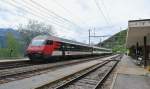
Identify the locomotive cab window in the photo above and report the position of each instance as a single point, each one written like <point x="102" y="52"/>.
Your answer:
<point x="37" y="42"/>
<point x="49" y="42"/>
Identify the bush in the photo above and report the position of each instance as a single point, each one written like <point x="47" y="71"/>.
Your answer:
<point x="4" y="52"/>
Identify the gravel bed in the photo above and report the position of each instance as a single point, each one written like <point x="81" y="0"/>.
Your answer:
<point x="90" y="81"/>
<point x="107" y="84"/>
<point x="87" y="82"/>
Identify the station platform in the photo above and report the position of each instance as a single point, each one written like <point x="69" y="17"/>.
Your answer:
<point x="130" y="76"/>
<point x="46" y="78"/>
<point x="13" y="60"/>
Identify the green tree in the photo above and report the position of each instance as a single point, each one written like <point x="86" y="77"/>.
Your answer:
<point x="13" y="46"/>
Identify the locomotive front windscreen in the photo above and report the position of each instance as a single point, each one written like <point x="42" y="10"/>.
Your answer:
<point x="37" y="42"/>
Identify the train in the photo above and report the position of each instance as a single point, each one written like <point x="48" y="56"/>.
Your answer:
<point x="50" y="48"/>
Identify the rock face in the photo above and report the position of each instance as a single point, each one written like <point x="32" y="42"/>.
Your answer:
<point x="3" y="36"/>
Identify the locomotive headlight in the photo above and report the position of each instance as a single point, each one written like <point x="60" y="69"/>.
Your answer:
<point x="39" y="52"/>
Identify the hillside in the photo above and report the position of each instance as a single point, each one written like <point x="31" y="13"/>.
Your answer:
<point x="116" y="42"/>
<point x="3" y="35"/>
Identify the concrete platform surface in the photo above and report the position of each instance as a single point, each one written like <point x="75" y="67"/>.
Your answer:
<point x="39" y="80"/>
<point x="130" y="76"/>
<point x="124" y="81"/>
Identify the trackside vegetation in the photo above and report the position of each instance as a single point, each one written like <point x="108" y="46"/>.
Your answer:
<point x="12" y="49"/>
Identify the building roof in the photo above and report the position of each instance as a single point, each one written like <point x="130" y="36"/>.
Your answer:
<point x="139" y="20"/>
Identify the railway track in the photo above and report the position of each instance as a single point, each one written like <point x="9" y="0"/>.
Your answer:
<point x="12" y="74"/>
<point x="16" y="64"/>
<point x="90" y="78"/>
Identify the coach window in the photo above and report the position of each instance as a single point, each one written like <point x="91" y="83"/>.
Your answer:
<point x="49" y="42"/>
<point x="67" y="47"/>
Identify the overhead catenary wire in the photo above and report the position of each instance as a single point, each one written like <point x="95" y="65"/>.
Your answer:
<point x="106" y="10"/>
<point x="60" y="5"/>
<point x="101" y="12"/>
<point x="34" y="14"/>
<point x="66" y="9"/>
<point x="108" y="19"/>
<point x="42" y="13"/>
<point x="63" y="20"/>
<point x="108" y="15"/>
<point x="40" y="5"/>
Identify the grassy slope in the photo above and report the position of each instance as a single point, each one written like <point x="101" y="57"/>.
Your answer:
<point x="116" y="42"/>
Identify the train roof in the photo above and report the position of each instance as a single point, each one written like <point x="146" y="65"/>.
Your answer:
<point x="67" y="41"/>
<point x="61" y="40"/>
<point x="101" y="48"/>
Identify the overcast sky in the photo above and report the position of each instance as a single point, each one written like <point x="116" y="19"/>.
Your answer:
<point x="71" y="19"/>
